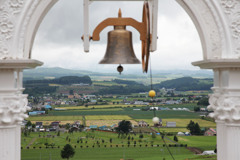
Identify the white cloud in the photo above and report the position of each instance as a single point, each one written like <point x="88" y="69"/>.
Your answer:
<point x="58" y="40"/>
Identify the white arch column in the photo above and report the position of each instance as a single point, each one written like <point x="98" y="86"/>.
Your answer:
<point x="225" y="102"/>
<point x="13" y="105"/>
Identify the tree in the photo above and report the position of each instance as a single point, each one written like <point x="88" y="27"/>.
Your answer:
<point x="194" y="128"/>
<point x="154" y="135"/>
<point x="203" y="101"/>
<point x="124" y="127"/>
<point x="175" y="139"/>
<point x="196" y="109"/>
<point x="197" y="129"/>
<point x="67" y="152"/>
<point x="29" y="123"/>
<point x="141" y="135"/>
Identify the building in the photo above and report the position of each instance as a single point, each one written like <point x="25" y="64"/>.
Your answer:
<point x="76" y="124"/>
<point x="48" y="107"/>
<point x="180" y="134"/>
<point x="39" y="125"/>
<point x="171" y="124"/>
<point x="103" y="127"/>
<point x="143" y="124"/>
<point x="93" y="127"/>
<point x="34" y="113"/>
<point x="210" y="132"/>
<point x="55" y="124"/>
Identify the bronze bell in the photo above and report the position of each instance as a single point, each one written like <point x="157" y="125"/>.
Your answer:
<point x="119" y="47"/>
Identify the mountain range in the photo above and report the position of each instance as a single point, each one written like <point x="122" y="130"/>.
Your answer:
<point x="56" y="72"/>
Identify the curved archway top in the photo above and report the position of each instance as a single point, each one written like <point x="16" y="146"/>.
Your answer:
<point x="217" y="23"/>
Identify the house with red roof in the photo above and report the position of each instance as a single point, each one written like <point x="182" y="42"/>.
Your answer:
<point x="210" y="132"/>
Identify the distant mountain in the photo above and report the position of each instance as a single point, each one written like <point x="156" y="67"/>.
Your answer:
<point x="52" y="73"/>
<point x="57" y="72"/>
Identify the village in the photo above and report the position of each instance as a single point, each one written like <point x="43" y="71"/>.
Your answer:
<point x="43" y="106"/>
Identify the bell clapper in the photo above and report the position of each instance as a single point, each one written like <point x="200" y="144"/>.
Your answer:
<point x="119" y="68"/>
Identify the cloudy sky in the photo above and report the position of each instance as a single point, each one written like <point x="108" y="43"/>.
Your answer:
<point x="58" y="41"/>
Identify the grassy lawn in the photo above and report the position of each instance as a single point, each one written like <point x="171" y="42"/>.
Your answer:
<point x="138" y="153"/>
<point x="87" y="139"/>
<point x="115" y="150"/>
<point x="202" y="142"/>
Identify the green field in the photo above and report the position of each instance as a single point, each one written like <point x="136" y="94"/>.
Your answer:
<point x="90" y="107"/>
<point x="202" y="142"/>
<point x="117" y="149"/>
<point x="138" y="153"/>
<point x="111" y="114"/>
<point x="107" y="83"/>
<point x="130" y="112"/>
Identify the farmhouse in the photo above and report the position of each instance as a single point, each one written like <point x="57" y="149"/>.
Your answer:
<point x="55" y="125"/>
<point x="171" y="124"/>
<point x="141" y="103"/>
<point x="39" y="124"/>
<point x="210" y="132"/>
<point x="173" y="102"/>
<point x="76" y="124"/>
<point x="143" y="124"/>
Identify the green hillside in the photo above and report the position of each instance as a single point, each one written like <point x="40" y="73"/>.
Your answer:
<point x="186" y="84"/>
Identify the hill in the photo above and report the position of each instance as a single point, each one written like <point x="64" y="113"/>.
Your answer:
<point x="43" y="86"/>
<point x="186" y="84"/>
<point x="158" y="75"/>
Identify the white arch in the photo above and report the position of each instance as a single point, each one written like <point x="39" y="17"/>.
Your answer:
<point x="217" y="23"/>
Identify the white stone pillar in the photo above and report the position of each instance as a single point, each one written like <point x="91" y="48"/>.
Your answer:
<point x="225" y="102"/>
<point x="13" y="105"/>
